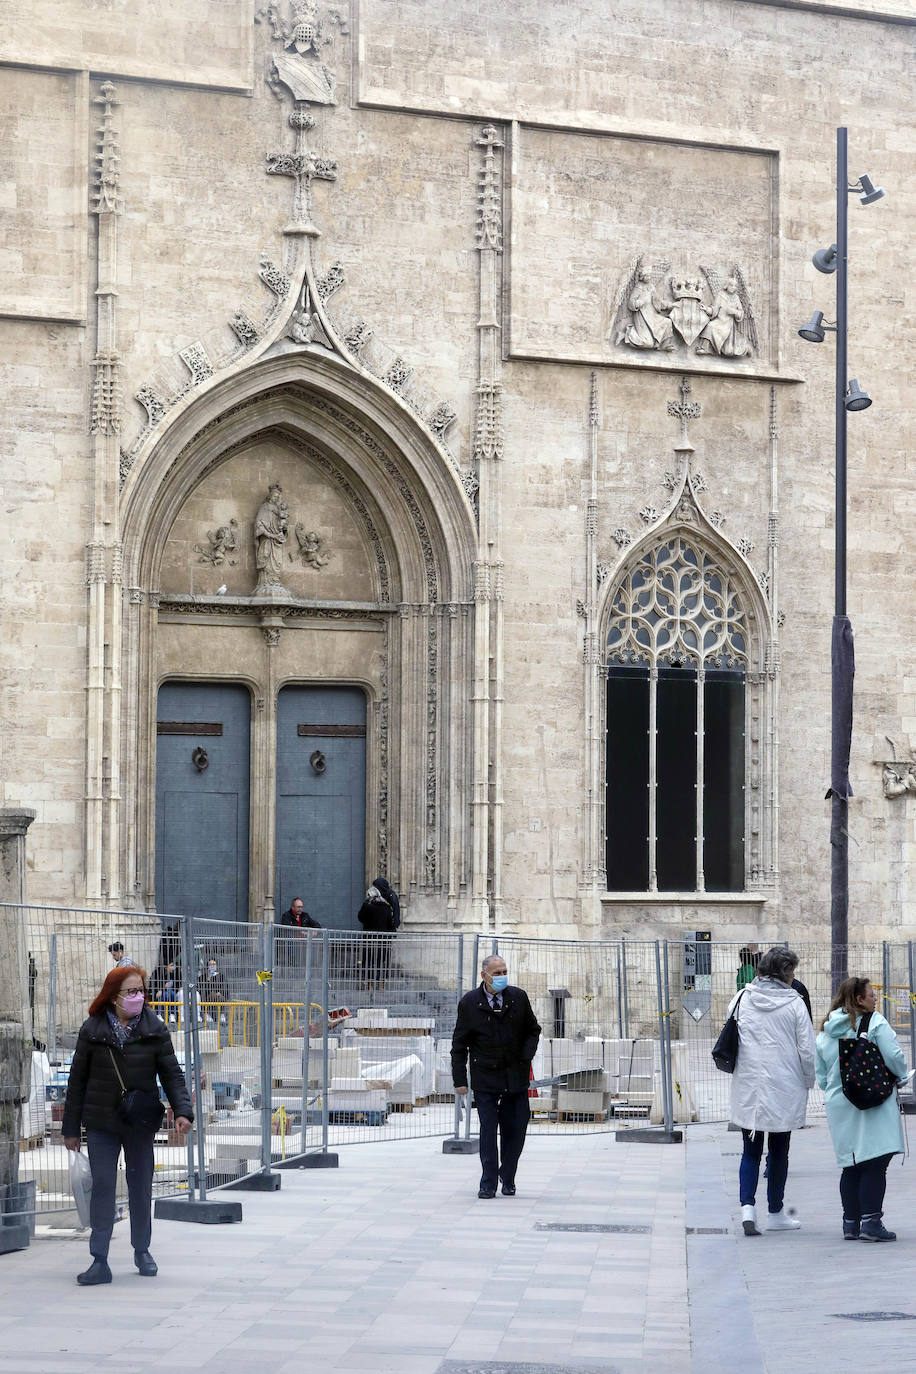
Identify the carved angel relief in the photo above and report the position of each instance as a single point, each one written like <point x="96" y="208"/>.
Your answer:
<point x="222" y="544"/>
<point x="313" y="547"/>
<point x="660" y="310"/>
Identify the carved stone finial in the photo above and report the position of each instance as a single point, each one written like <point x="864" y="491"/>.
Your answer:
<point x="685" y="411"/>
<point x="489" y="193"/>
<point x="593" y="400"/>
<point x="107" y="158"/>
<point x="774" y="429"/>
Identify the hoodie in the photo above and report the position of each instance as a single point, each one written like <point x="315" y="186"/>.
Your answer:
<point x="775" y="1068"/>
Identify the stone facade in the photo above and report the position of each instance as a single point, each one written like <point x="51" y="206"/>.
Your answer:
<point x="440" y="272"/>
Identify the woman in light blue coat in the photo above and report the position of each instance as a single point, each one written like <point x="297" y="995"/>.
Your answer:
<point x="864" y="1141"/>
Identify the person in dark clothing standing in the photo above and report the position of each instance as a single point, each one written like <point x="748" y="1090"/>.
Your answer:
<point x="290" y="942"/>
<point x="391" y="897"/>
<point x="122" y="1046"/>
<point x="298" y="916"/>
<point x="378" y="920"/>
<point x="498" y="1029"/>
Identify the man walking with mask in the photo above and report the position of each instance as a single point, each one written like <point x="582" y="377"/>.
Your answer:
<point x="497" y="1027"/>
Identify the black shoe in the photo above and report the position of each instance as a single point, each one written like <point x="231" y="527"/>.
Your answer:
<point x="850" y="1229"/>
<point x="146" y="1264"/>
<point x="508" y="1190"/>
<point x="487" y="1192"/>
<point x="98" y="1272"/>
<point x="873" y="1228"/>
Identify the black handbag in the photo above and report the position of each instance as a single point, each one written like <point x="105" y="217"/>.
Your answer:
<point x="725" y="1050"/>
<point x="866" y="1079"/>
<point x="139" y="1109"/>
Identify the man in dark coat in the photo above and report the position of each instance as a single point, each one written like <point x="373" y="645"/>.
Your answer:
<point x="298" y="916"/>
<point x="377" y="918"/>
<point x="497" y="1027"/>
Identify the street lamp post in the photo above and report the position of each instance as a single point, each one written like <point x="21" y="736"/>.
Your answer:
<point x="848" y="397"/>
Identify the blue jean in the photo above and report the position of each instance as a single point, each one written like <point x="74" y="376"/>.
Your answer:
<point x="104" y="1148"/>
<point x="749" y="1169"/>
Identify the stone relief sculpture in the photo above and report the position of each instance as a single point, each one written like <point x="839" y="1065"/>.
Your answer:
<point x="642" y="320"/>
<point x="271" y="531"/>
<point x="898" y="776"/>
<point x="731" y="331"/>
<point x="708" y="313"/>
<point x="222" y="544"/>
<point x="313" y="547"/>
<point x="298" y="66"/>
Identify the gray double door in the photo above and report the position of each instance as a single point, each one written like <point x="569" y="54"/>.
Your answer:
<point x="205" y="794"/>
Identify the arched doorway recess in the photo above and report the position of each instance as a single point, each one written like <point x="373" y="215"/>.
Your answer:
<point x="366" y="583"/>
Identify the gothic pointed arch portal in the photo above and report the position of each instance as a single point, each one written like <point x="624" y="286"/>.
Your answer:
<point x="689" y="688"/>
<point x="296" y="528"/>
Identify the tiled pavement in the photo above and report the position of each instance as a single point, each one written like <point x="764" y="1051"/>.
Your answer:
<point x="391" y="1263"/>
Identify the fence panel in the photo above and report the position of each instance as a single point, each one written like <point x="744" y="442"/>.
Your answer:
<point x="888" y="967"/>
<point x="599" y="1065"/>
<point x="68" y="959"/>
<point x="300" y="1041"/>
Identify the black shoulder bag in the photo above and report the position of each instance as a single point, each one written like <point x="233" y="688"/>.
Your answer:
<point x="140" y="1109"/>
<point x="725" y="1050"/>
<point x="866" y="1079"/>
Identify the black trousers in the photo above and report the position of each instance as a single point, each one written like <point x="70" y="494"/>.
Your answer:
<point x="862" y="1188"/>
<point x="104" y="1149"/>
<point x="507" y="1115"/>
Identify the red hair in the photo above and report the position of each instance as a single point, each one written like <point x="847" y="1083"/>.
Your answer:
<point x="112" y="986"/>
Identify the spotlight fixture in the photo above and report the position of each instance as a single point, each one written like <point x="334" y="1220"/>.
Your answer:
<point x="869" y="192"/>
<point x="816" y="328"/>
<point x="825" y="259"/>
<point x="856" y="398"/>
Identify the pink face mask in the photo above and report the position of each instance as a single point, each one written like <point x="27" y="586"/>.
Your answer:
<point x="132" y="1002"/>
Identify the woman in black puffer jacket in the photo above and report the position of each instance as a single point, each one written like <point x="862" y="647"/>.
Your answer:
<point x="121" y="1047"/>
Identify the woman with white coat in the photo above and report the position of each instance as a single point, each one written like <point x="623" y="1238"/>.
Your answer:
<point x="773" y="1075"/>
<point x="864" y="1141"/>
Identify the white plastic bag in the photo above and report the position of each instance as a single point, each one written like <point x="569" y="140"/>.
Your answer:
<point x="81" y="1184"/>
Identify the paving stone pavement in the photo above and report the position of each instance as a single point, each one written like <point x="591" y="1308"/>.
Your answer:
<point x="784" y="1300"/>
<point x="391" y="1265"/>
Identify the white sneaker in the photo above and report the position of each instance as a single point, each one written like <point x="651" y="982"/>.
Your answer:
<point x="749" y="1219"/>
<point x="779" y="1221"/>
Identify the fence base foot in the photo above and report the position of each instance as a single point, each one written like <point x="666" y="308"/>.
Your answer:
<point x="659" y="1136"/>
<point x="257" y="1183"/>
<point x="208" y="1212"/>
<point x="459" y="1147"/>
<point x="13" y="1236"/>
<point x="908" y="1106"/>
<point x="322" y="1161"/>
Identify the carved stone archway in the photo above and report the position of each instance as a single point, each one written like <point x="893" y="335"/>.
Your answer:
<point x="407" y="639"/>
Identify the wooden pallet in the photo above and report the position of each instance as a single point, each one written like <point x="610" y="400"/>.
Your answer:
<point x="400" y="1106"/>
<point x="638" y="1111"/>
<point x="31" y="1142"/>
<point x="580" y="1118"/>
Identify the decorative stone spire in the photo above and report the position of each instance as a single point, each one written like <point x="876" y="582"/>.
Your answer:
<point x="489" y="193"/>
<point x="107" y="158"/>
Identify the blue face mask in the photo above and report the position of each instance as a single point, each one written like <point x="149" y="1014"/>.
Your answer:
<point x="500" y="983"/>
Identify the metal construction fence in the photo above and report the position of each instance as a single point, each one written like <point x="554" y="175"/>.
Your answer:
<point x="296" y="1042"/>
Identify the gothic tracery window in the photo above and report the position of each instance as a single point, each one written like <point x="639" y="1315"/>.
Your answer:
<point x="677" y="655"/>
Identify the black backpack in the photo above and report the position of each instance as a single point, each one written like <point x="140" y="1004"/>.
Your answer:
<point x="866" y="1079"/>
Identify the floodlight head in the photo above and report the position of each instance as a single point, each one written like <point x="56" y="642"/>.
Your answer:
<point x="870" y="192"/>
<point x="825" y="259"/>
<point x="856" y="398"/>
<point x="814" y="331"/>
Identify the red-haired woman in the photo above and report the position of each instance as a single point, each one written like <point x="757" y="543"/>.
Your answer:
<point x="122" y="1046"/>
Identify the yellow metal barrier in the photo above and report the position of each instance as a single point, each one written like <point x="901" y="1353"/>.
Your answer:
<point x="237" y="1023"/>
